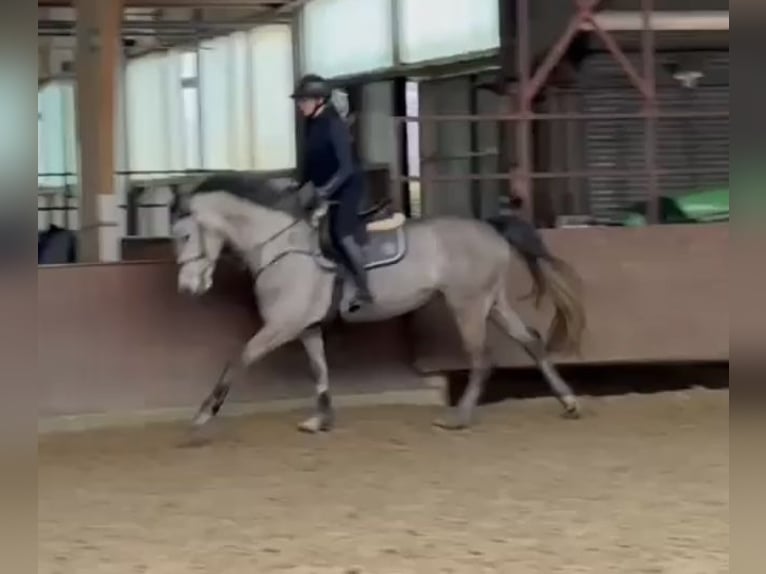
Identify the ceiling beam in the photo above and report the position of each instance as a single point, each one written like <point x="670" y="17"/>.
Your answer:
<point x="173" y="3"/>
<point x="688" y="21"/>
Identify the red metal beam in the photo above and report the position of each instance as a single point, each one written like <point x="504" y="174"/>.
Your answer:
<point x="644" y="83"/>
<point x="650" y="108"/>
<point x="667" y="114"/>
<point x="582" y="174"/>
<point x="529" y="84"/>
<point x="585" y="9"/>
<point x="611" y="44"/>
<point x="520" y="183"/>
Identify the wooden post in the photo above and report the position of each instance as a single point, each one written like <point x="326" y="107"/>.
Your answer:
<point x="98" y="63"/>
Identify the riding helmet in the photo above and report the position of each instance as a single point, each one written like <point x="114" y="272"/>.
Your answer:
<point x="312" y="86"/>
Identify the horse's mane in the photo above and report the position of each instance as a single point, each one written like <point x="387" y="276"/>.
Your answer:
<point x="266" y="189"/>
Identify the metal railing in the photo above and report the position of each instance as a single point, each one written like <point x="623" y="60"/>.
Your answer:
<point x="521" y="96"/>
<point x="66" y="201"/>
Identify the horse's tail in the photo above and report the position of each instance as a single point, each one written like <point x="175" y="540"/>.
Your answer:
<point x="565" y="289"/>
<point x="550" y="276"/>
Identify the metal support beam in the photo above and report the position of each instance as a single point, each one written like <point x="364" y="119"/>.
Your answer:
<point x="585" y="17"/>
<point x="619" y="56"/>
<point x="160" y="27"/>
<point x="518" y="113"/>
<point x="585" y="10"/>
<point x="650" y="108"/>
<point x="687" y="21"/>
<point x="520" y="180"/>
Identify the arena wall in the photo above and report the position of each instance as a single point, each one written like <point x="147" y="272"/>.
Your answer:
<point x="118" y="338"/>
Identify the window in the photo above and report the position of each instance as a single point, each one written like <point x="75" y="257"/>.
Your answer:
<point x="56" y="135"/>
<point x="273" y="112"/>
<point x="342" y="37"/>
<point x="147" y="116"/>
<point x="434" y="29"/>
<point x="223" y="106"/>
<point x="190" y="105"/>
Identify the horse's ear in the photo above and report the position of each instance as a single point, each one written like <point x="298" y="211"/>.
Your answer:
<point x="175" y="202"/>
<point x="179" y="203"/>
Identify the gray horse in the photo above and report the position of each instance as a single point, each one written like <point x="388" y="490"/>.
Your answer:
<point x="299" y="289"/>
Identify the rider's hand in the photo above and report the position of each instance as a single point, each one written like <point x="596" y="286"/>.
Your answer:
<point x="323" y="192"/>
<point x="317" y="214"/>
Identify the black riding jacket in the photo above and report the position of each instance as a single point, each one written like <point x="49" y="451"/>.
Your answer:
<point x="328" y="160"/>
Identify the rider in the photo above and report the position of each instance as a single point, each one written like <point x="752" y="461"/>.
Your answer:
<point x="329" y="165"/>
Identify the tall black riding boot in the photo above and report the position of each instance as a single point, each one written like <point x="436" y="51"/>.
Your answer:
<point x="356" y="262"/>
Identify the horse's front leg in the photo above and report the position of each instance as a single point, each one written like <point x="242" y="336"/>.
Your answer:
<point x="324" y="417"/>
<point x="269" y="338"/>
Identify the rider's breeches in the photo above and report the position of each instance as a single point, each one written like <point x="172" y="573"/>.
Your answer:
<point x="344" y="215"/>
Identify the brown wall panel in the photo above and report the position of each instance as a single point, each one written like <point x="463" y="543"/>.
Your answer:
<point x="120" y="338"/>
<point x="652" y="295"/>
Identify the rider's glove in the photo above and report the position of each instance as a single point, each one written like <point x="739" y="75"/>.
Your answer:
<point x="325" y="191"/>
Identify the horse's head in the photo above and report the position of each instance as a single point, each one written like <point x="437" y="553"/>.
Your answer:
<point x="197" y="247"/>
<point x="247" y="212"/>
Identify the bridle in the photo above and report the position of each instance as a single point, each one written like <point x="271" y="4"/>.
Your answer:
<point x="202" y="252"/>
<point x="203" y="255"/>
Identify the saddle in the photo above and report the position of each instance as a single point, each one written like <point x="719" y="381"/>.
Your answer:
<point x="382" y="238"/>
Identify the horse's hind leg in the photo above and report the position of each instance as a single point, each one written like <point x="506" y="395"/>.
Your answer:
<point x="472" y="323"/>
<point x="514" y="326"/>
<point x="324" y="418"/>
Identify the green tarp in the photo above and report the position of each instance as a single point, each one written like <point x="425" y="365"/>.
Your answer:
<point x="698" y="207"/>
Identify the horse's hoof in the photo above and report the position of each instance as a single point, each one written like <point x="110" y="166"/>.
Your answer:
<point x="571" y="408"/>
<point x="572" y="413"/>
<point x="315" y="424"/>
<point x="201" y="419"/>
<point x="452" y="423"/>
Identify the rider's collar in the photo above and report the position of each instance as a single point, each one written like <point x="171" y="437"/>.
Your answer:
<point x="318" y="111"/>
